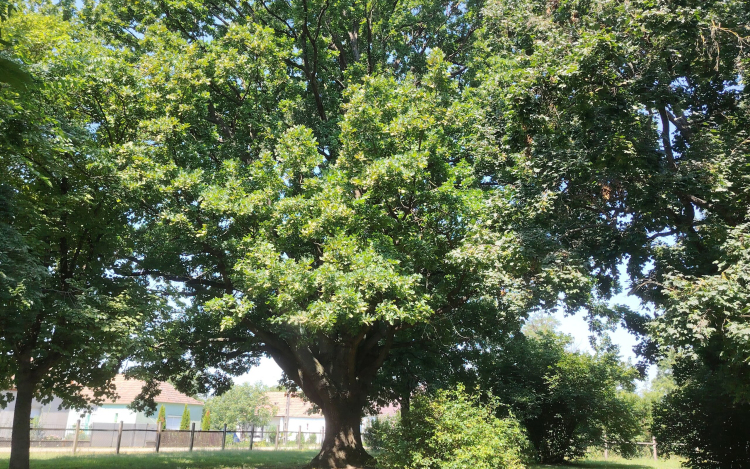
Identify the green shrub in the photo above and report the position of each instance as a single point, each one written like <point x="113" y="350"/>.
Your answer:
<point x="376" y="431"/>
<point x="185" y="421"/>
<point x="452" y="430"/>
<point x="312" y="438"/>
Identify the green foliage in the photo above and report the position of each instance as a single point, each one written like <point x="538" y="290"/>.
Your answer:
<point x="621" y="130"/>
<point x="242" y="406"/>
<point x="185" y="420"/>
<point x="566" y="400"/>
<point x="298" y="183"/>
<point x="161" y="419"/>
<point x="206" y="420"/>
<point x="701" y="419"/>
<point x="271" y="431"/>
<point x="374" y="435"/>
<point x="68" y="323"/>
<point x="452" y="430"/>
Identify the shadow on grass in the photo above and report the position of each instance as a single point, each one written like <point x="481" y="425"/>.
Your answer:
<point x="611" y="465"/>
<point x="617" y="464"/>
<point x="195" y="460"/>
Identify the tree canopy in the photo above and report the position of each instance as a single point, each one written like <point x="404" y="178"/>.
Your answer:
<point x="241" y="407"/>
<point x="368" y="192"/>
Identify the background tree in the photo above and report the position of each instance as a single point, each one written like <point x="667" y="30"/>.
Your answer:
<point x="701" y="420"/>
<point x="626" y="124"/>
<point x="11" y="72"/>
<point x="206" y="421"/>
<point x="65" y="321"/>
<point x="161" y="418"/>
<point x="241" y="407"/>
<point x="567" y="400"/>
<point x="185" y="420"/>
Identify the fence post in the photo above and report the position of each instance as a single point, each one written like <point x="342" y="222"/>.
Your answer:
<point x="119" y="437"/>
<point x="158" y="436"/>
<point x="75" y="437"/>
<point x="224" y="439"/>
<point x="252" y="436"/>
<point x="192" y="435"/>
<point x="653" y="442"/>
<point x="299" y="438"/>
<point x="278" y="428"/>
<point x="606" y="447"/>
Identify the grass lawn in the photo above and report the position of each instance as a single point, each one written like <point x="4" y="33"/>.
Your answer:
<point x="196" y="460"/>
<point x="239" y="459"/>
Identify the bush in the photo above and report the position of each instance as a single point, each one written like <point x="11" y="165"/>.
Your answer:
<point x="271" y="431"/>
<point x="452" y="430"/>
<point x="374" y="434"/>
<point x="312" y="439"/>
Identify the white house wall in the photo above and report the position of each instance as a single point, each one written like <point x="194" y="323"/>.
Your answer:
<point x="50" y="415"/>
<point x="114" y="413"/>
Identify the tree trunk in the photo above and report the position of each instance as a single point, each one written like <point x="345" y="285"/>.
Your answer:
<point x="342" y="445"/>
<point x="21" y="438"/>
<point x="337" y="375"/>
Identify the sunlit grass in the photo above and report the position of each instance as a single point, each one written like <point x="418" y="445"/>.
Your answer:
<point x="243" y="459"/>
<point x="236" y="459"/>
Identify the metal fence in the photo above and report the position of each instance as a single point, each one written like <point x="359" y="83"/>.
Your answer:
<point x="149" y="437"/>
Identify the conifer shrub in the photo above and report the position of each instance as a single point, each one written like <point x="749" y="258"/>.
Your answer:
<point x="185" y="421"/>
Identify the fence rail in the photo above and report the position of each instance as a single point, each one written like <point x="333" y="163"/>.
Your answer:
<point x="651" y="443"/>
<point x="149" y="437"/>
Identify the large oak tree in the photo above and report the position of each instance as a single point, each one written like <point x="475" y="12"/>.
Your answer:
<point x="303" y="181"/>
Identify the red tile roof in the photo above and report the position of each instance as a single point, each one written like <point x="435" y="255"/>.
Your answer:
<point x="297" y="407"/>
<point x="128" y="389"/>
<point x="390" y="410"/>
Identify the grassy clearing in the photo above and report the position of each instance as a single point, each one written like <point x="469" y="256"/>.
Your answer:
<point x="259" y="460"/>
<point x="195" y="460"/>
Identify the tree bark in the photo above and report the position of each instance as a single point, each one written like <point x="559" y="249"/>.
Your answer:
<point x="342" y="444"/>
<point x="21" y="438"/>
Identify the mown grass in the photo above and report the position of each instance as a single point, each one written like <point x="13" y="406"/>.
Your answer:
<point x="196" y="460"/>
<point x="239" y="459"/>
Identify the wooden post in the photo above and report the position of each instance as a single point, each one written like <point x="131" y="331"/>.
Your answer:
<point x="224" y="440"/>
<point x="75" y="437"/>
<point x="158" y="436"/>
<point x="192" y="435"/>
<point x="119" y="437"/>
<point x="606" y="447"/>
<point x="299" y="438"/>
<point x="252" y="436"/>
<point x="653" y="442"/>
<point x="278" y="429"/>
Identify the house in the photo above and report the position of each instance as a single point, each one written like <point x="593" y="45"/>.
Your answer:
<point x="298" y="413"/>
<point x="293" y="413"/>
<point x="116" y="410"/>
<point x="109" y="412"/>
